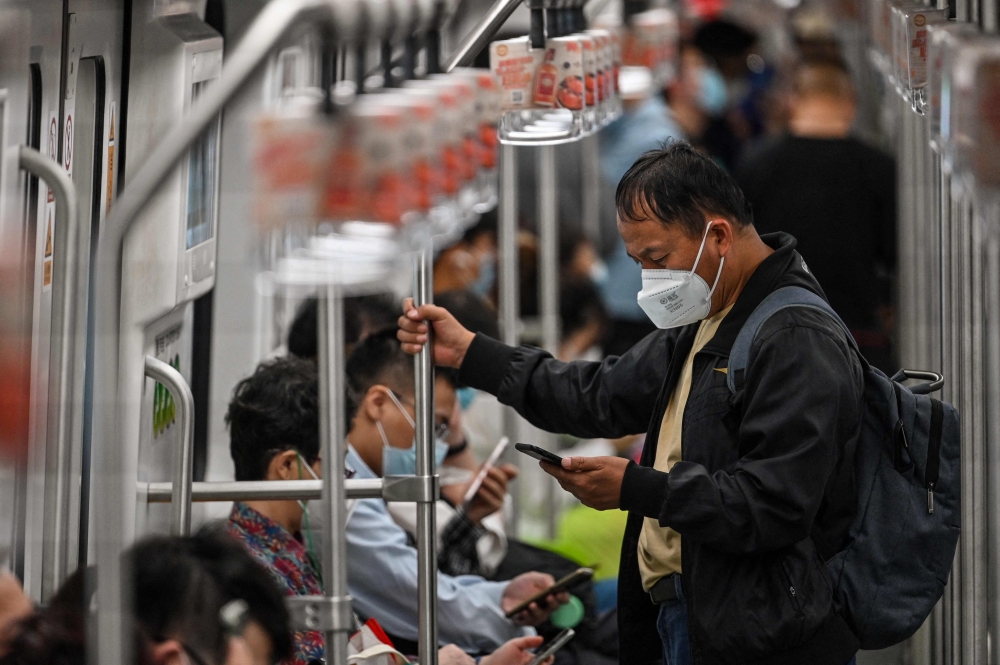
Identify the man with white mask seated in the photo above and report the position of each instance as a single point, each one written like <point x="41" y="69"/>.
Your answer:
<point x="274" y="435"/>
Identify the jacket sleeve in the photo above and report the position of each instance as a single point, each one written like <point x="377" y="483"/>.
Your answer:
<point x="802" y="402"/>
<point x="610" y="399"/>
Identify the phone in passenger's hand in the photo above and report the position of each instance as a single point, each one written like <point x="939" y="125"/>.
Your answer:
<point x="494" y="457"/>
<point x="577" y="576"/>
<point x="539" y="454"/>
<point x="549" y="650"/>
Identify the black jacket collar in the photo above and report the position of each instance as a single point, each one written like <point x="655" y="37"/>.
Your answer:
<point x="784" y="267"/>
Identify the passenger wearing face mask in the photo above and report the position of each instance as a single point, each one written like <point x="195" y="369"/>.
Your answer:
<point x="755" y="489"/>
<point x="274" y="435"/>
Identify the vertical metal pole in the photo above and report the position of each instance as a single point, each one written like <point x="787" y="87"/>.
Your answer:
<point x="946" y="610"/>
<point x="591" y="176"/>
<point x="955" y="311"/>
<point x="423" y="284"/>
<point x="548" y="284"/>
<point x="508" y="293"/>
<point x="968" y="439"/>
<point x="991" y="364"/>
<point x="330" y="335"/>
<point x="979" y="470"/>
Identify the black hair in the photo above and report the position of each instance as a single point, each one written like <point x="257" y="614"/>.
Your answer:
<point x="377" y="359"/>
<point x="678" y="185"/>
<point x="363" y="315"/>
<point x="273" y="410"/>
<point x="380" y="360"/>
<point x="579" y="305"/>
<point x="721" y="39"/>
<point x="471" y="310"/>
<point x="181" y="585"/>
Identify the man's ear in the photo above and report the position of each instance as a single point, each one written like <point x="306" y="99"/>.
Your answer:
<point x="723" y="231"/>
<point x="284" y="466"/>
<point x="374" y="403"/>
<point x="168" y="652"/>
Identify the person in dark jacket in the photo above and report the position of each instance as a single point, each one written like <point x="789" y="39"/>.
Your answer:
<point x="837" y="196"/>
<point x="738" y="499"/>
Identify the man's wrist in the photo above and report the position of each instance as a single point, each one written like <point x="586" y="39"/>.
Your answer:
<point x="484" y="363"/>
<point x="644" y="490"/>
<point x="464" y="348"/>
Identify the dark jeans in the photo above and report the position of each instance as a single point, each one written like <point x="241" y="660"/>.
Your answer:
<point x="672" y="625"/>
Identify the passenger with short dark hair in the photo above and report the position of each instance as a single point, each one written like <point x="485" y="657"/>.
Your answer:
<point x="274" y="435"/>
<point x="200" y="599"/>
<point x="363" y="315"/>
<point x="739" y="499"/>
<point x="837" y="196"/>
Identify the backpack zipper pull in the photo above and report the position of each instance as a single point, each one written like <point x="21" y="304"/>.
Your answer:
<point x="930" y="498"/>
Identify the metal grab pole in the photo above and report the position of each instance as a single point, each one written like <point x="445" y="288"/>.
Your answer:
<point x="62" y="378"/>
<point x="333" y="447"/>
<point x="591" y="180"/>
<point x="172" y="380"/>
<point x="113" y="489"/>
<point x="548" y="285"/>
<point x="507" y="291"/>
<point x="481" y="34"/>
<point x="423" y="365"/>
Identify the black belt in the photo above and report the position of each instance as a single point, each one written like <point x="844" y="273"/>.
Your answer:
<point x="664" y="590"/>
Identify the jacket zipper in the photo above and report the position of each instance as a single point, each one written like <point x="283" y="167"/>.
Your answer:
<point x="791" y="587"/>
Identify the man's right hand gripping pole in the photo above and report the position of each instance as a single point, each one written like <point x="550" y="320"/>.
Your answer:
<point x="451" y="340"/>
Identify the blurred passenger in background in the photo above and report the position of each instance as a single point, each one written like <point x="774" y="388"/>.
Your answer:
<point x="471" y="263"/>
<point x="198" y="600"/>
<point x="363" y="315"/>
<point x="583" y="317"/>
<point x="837" y="196"/>
<point x="731" y="50"/>
<point x="647" y="123"/>
<point x="14" y="606"/>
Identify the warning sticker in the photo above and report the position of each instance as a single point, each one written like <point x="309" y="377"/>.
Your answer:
<point x="111" y="157"/>
<point x="50" y="213"/>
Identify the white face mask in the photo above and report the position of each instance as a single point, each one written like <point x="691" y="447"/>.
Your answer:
<point x="673" y="298"/>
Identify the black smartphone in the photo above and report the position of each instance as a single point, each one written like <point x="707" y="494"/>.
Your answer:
<point x="549" y="650"/>
<point x="577" y="576"/>
<point x="539" y="454"/>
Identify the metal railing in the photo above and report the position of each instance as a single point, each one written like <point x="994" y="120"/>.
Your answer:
<point x="69" y="289"/>
<point x="180" y="509"/>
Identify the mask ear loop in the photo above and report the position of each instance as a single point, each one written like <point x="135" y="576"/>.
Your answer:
<point x="305" y="518"/>
<point x="402" y="410"/>
<point x="722" y="262"/>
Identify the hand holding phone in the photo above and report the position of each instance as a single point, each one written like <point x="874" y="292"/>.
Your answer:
<point x="491" y="461"/>
<point x="546" y="651"/>
<point x="579" y="575"/>
<point x="539" y="454"/>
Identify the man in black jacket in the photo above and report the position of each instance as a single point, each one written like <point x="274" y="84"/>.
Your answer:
<point x="752" y="491"/>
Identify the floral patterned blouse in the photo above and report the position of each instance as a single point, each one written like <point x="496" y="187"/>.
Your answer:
<point x="287" y="559"/>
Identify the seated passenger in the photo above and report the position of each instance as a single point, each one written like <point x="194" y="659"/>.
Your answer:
<point x="274" y="433"/>
<point x="184" y="611"/>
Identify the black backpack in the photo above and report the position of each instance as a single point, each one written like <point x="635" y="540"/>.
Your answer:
<point x="904" y="534"/>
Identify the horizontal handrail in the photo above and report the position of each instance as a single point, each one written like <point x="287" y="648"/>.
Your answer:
<point x="263" y="490"/>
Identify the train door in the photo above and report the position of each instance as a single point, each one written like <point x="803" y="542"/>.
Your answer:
<point x="42" y="129"/>
<point x="92" y="124"/>
<point x="19" y="125"/>
<point x="169" y="257"/>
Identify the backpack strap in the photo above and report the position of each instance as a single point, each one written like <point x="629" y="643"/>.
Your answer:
<point x="783" y="298"/>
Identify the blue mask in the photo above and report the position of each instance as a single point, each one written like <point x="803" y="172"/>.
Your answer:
<point x="483" y="285"/>
<point x="712" y="95"/>
<point x="465" y="397"/>
<point x="403" y="461"/>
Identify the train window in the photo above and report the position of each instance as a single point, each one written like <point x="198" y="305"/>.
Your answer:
<point x="202" y="179"/>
